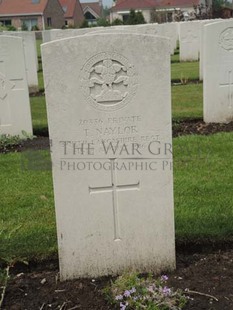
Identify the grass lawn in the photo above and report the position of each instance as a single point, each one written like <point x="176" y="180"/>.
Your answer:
<point x="38" y="44"/>
<point x="187" y="101"/>
<point x="185" y="71"/>
<point x="39" y="115"/>
<point x="203" y="182"/>
<point x="26" y="211"/>
<point x="203" y="168"/>
<point x="175" y="57"/>
<point x="40" y="80"/>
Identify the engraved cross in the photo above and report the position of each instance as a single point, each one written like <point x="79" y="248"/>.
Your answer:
<point x="229" y="85"/>
<point x="114" y="188"/>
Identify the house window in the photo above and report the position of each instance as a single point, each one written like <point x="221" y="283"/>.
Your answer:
<point x="90" y="18"/>
<point x="125" y="17"/>
<point x="64" y="9"/>
<point x="29" y="23"/>
<point x="5" y="22"/>
<point x="49" y="21"/>
<point x="66" y="22"/>
<point x="35" y="1"/>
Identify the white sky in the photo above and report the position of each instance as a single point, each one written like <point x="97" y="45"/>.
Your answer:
<point x="105" y="2"/>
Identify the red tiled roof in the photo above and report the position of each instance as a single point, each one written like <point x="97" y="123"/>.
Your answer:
<point x="68" y="7"/>
<point x="176" y="3"/>
<point x="147" y="4"/>
<point x="92" y="5"/>
<point x="20" y="7"/>
<point x="133" y="4"/>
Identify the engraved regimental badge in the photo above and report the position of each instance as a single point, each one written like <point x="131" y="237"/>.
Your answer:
<point x="226" y="39"/>
<point x="108" y="81"/>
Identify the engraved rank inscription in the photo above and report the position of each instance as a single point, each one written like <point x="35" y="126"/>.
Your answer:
<point x="108" y="81"/>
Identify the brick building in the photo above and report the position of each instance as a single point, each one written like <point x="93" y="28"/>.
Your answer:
<point x="169" y="8"/>
<point x="40" y="13"/>
<point x="92" y="11"/>
<point x="73" y="12"/>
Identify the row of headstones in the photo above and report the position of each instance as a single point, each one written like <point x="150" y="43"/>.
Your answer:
<point x="212" y="40"/>
<point x="108" y="99"/>
<point x="109" y="112"/>
<point x="188" y="34"/>
<point x="170" y="30"/>
<point x="216" y="49"/>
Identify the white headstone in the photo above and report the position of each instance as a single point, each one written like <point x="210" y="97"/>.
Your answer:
<point x="165" y="30"/>
<point x="15" y="115"/>
<point x="30" y="53"/>
<point x="58" y="34"/>
<point x="151" y="29"/>
<point x="170" y="30"/>
<point x="114" y="208"/>
<point x="218" y="72"/>
<point x="189" y="41"/>
<point x="202" y="24"/>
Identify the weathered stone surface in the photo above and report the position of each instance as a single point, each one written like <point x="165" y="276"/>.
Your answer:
<point x="109" y="113"/>
<point x="15" y="115"/>
<point x="218" y="72"/>
<point x="189" y="41"/>
<point x="202" y="24"/>
<point x="58" y="34"/>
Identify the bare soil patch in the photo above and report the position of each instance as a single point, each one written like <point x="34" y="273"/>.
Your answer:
<point x="37" y="286"/>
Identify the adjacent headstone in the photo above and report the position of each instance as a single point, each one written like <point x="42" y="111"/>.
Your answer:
<point x="202" y="24"/>
<point x="218" y="72"/>
<point x="58" y="34"/>
<point x="30" y="53"/>
<point x="189" y="41"/>
<point x="109" y="114"/>
<point x="15" y="115"/>
<point x="151" y="29"/>
<point x="170" y="30"/>
<point x="166" y="30"/>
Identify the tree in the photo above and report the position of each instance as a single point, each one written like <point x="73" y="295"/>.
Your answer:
<point x="103" y="22"/>
<point x="135" y="18"/>
<point x="117" y="22"/>
<point x="218" y="6"/>
<point x="140" y="18"/>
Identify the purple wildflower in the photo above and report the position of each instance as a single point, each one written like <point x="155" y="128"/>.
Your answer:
<point x="127" y="293"/>
<point x="164" y="278"/>
<point x="166" y="291"/>
<point x="133" y="290"/>
<point x="119" y="297"/>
